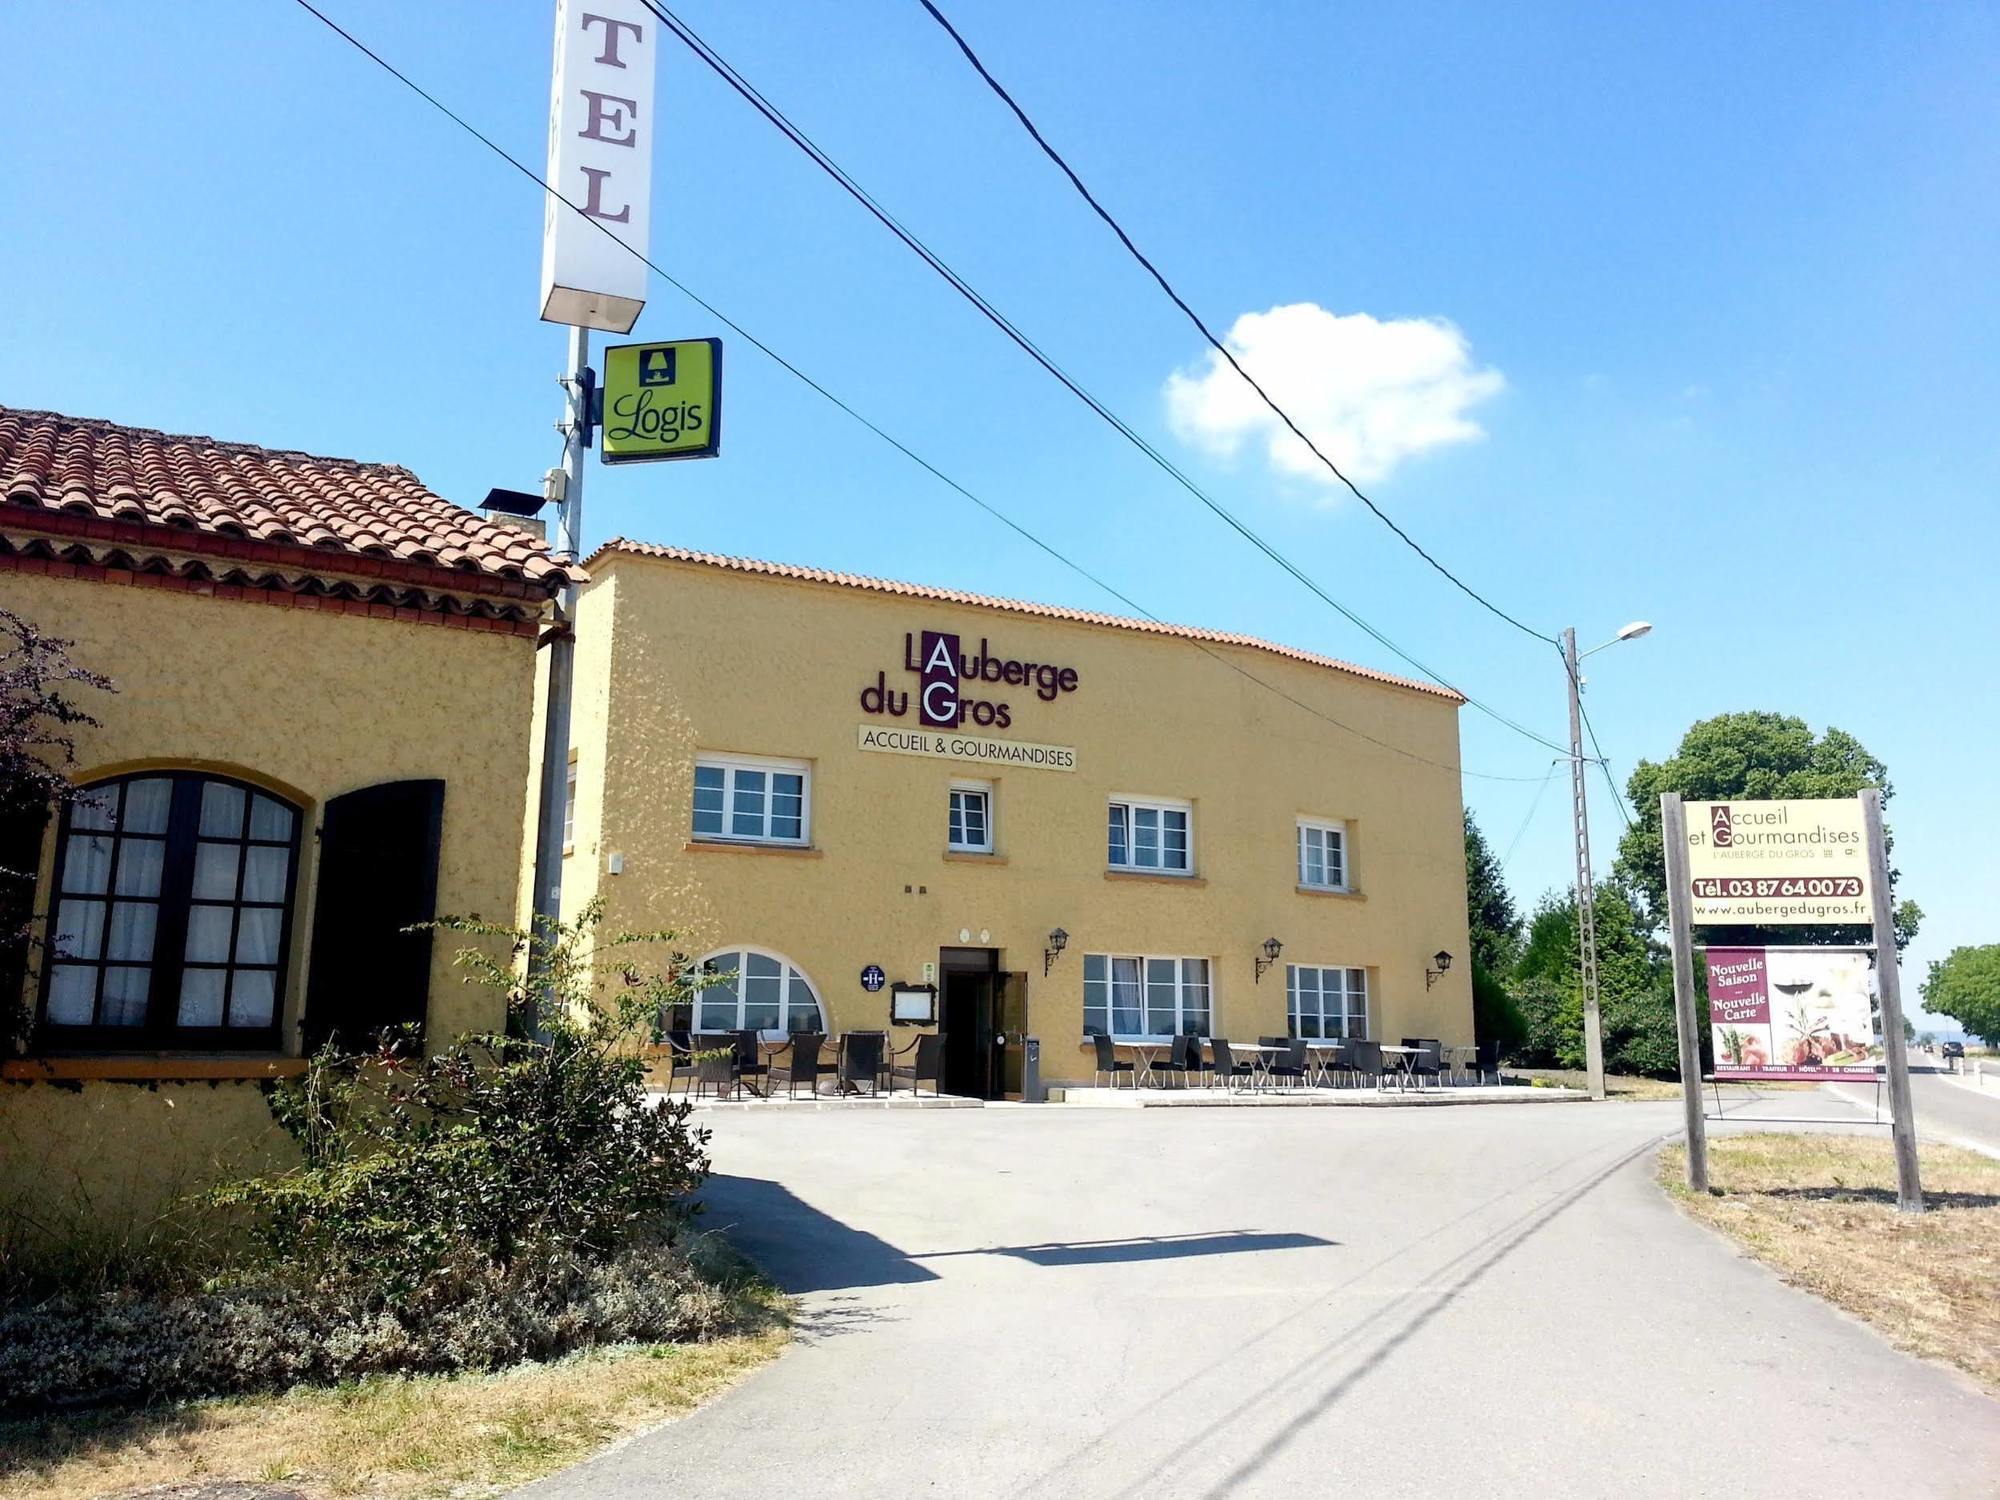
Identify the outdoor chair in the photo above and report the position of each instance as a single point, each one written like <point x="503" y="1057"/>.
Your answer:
<point x="1365" y="1059"/>
<point x="1176" y="1059"/>
<point x="750" y="1064"/>
<point x="1429" y="1061"/>
<point x="1340" y="1062"/>
<point x="1290" y="1066"/>
<point x="1486" y="1062"/>
<point x="680" y="1064"/>
<point x="718" y="1069"/>
<point x="861" y="1062"/>
<point x="928" y="1064"/>
<point x="1194" y="1067"/>
<point x="1226" y="1068"/>
<point x="805" y="1063"/>
<point x="1107" y="1062"/>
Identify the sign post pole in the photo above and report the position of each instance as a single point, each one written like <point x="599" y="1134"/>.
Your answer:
<point x="1680" y="921"/>
<point x="575" y="425"/>
<point x="1888" y="978"/>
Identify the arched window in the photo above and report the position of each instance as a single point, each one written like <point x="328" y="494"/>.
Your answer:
<point x="172" y="914"/>
<point x="748" y="989"/>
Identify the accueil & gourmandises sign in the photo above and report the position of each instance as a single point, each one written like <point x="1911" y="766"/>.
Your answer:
<point x="939" y="702"/>
<point x="1797" y="860"/>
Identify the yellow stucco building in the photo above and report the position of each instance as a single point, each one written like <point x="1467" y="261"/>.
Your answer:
<point x="319" y="733"/>
<point x="825" y="782"/>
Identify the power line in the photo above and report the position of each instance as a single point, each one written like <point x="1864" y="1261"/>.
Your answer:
<point x="1215" y="343"/>
<point x="1547" y="776"/>
<point x="743" y="333"/>
<point x="1604" y="765"/>
<point x="776" y="117"/>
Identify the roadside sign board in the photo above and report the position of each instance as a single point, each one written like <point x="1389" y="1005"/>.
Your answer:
<point x="1793" y="1013"/>
<point x="1776" y="863"/>
<point x="662" y="401"/>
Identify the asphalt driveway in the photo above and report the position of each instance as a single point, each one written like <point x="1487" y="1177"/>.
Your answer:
<point x="1478" y="1301"/>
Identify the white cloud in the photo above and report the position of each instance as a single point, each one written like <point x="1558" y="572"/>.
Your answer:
<point x="1371" y="393"/>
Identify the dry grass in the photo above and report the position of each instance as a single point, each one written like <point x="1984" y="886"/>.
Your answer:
<point x="1633" y="1088"/>
<point x="1821" y="1209"/>
<point x="416" y="1436"/>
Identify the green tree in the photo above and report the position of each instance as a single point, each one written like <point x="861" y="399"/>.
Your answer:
<point x="1635" y="989"/>
<point x="1494" y="928"/>
<point x="1490" y="915"/>
<point x="1965" y="985"/>
<point x="1750" y="756"/>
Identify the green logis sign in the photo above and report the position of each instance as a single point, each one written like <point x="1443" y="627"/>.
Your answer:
<point x="662" y="401"/>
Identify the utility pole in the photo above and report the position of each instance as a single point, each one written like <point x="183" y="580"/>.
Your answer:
<point x="1586" y="902"/>
<point x="1889" y="982"/>
<point x="575" y="428"/>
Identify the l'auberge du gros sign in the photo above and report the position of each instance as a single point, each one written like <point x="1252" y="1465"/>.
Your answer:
<point x="934" y="657"/>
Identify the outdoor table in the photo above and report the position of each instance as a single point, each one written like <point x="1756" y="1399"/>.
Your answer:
<point x="1145" y="1054"/>
<point x="1320" y="1049"/>
<point x="1258" y="1055"/>
<point x="1402" y="1057"/>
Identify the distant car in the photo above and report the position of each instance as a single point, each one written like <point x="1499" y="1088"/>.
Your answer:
<point x="1952" y="1049"/>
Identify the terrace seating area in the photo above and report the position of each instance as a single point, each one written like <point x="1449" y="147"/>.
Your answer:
<point x="801" y="1065"/>
<point x="1278" y="1065"/>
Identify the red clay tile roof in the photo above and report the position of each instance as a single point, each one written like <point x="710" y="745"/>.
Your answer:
<point x="1015" y="606"/>
<point x="203" y="488"/>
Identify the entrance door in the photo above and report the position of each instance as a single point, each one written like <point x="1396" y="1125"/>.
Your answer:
<point x="966" y="1014"/>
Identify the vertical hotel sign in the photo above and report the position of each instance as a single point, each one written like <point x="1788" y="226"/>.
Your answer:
<point x="601" y="162"/>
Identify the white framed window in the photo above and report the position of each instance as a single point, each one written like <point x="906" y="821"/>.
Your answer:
<point x="971" y="817"/>
<point x="1327" y="1002"/>
<point x="1137" y="996"/>
<point x="1149" y="834"/>
<point x="750" y="799"/>
<point x="1322" y="854"/>
<point x="569" y="806"/>
<point x="754" y="989"/>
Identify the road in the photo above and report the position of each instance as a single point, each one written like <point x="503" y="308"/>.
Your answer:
<point x="1947" y="1110"/>
<point x="1209" y="1303"/>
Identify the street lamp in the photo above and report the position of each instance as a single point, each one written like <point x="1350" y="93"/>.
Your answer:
<point x="1586" y="905"/>
<point x="1058" y="940"/>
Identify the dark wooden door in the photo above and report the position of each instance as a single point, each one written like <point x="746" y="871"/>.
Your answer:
<point x="378" y="870"/>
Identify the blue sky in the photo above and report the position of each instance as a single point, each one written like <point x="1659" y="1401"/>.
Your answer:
<point x="1722" y="280"/>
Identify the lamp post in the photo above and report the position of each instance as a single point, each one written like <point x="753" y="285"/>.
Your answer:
<point x="1586" y="904"/>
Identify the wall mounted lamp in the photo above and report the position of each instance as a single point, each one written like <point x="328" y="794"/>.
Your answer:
<point x="1272" y="948"/>
<point x="1058" y="940"/>
<point x="1443" y="961"/>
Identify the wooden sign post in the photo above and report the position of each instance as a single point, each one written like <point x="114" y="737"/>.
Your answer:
<point x="1687" y="1024"/>
<point x="1783" y="896"/>
<point x="1889" y="983"/>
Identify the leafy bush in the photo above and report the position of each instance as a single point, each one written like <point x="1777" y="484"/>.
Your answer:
<point x="1552" y="1021"/>
<point x="1639" y="1034"/>
<point x="520" y="1158"/>
<point x="1495" y="1016"/>
<point x="74" y="1351"/>
<point x="507" y="1198"/>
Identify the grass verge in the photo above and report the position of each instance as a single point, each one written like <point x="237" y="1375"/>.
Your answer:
<point x="1821" y="1210"/>
<point x="395" y="1436"/>
<point x="1633" y="1088"/>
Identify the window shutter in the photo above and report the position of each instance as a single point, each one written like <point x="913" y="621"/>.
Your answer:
<point x="378" y="868"/>
<point x="21" y="828"/>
